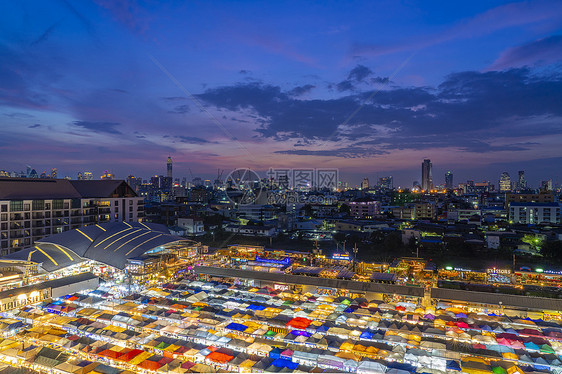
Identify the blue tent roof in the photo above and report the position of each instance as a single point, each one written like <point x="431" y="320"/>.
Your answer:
<point x="236" y="326"/>
<point x="453" y="365"/>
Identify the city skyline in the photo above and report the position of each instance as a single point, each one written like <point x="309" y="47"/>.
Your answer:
<point x="380" y="178"/>
<point x="370" y="89"/>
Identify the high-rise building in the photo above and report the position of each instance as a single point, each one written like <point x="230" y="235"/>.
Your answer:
<point x="107" y="175"/>
<point x="427" y="179"/>
<point x="80" y="176"/>
<point x="365" y="184"/>
<point x="386" y="182"/>
<point x="546" y="185"/>
<point x="31" y="209"/>
<point x="54" y="173"/>
<point x="169" y="168"/>
<point x="505" y="182"/>
<point x="88" y="176"/>
<point x="449" y="180"/>
<point x="522" y="182"/>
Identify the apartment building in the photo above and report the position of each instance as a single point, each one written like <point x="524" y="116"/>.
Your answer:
<point x="534" y="213"/>
<point x="31" y="209"/>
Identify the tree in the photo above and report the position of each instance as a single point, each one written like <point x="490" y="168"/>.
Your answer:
<point x="344" y="208"/>
<point x="552" y="250"/>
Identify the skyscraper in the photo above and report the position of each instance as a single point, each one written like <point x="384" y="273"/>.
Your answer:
<point x="449" y="180"/>
<point x="169" y="168"/>
<point x="365" y="184"/>
<point x="386" y="182"/>
<point x="427" y="179"/>
<point x="522" y="182"/>
<point x="88" y="176"/>
<point x="505" y="182"/>
<point x="54" y="173"/>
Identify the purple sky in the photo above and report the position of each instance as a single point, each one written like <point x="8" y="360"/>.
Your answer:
<point x="369" y="87"/>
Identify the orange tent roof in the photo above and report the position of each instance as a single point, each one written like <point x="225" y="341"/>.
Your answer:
<point x="219" y="357"/>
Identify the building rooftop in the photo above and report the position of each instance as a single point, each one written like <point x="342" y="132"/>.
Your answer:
<point x="535" y="204"/>
<point x="109" y="243"/>
<point x="39" y="189"/>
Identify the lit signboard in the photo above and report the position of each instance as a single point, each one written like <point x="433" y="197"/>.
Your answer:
<point x="498" y="271"/>
<point x="340" y="256"/>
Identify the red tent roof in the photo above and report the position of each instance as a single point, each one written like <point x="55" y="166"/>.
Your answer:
<point x="299" y="323"/>
<point x="109" y="353"/>
<point x="130" y="355"/>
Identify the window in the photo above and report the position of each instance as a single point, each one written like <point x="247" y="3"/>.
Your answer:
<point x="4" y="217"/>
<point x="116" y="202"/>
<point x="38" y="204"/>
<point x="16" y="205"/>
<point x="58" y="204"/>
<point x="4" y="208"/>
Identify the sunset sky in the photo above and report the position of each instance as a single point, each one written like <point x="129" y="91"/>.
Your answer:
<point x="368" y="87"/>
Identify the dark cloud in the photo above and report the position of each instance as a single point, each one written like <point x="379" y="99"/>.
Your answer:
<point x="244" y="72"/>
<point x="34" y="126"/>
<point x="345" y="86"/>
<point x="190" y="139"/>
<point x="99" y="127"/>
<point x="359" y="73"/>
<point x="538" y="52"/>
<point x="180" y="109"/>
<point x="301" y="90"/>
<point x="468" y="110"/>
<point x="174" y="98"/>
<point x="347" y="152"/>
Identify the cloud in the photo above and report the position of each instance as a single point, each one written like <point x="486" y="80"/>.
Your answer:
<point x="468" y="111"/>
<point x="34" y="126"/>
<point x="180" y="109"/>
<point x="346" y="152"/>
<point x="190" y="139"/>
<point x="99" y="127"/>
<point x="539" y="52"/>
<point x="345" y="86"/>
<point x="301" y="90"/>
<point x="359" y="73"/>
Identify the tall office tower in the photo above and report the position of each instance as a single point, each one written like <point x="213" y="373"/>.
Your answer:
<point x="88" y="176"/>
<point x="546" y="185"/>
<point x="365" y="184"/>
<point x="80" y="176"/>
<point x="505" y="182"/>
<point x="54" y="173"/>
<point x="169" y="168"/>
<point x="386" y="182"/>
<point x="522" y="182"/>
<point x="449" y="180"/>
<point x="427" y="180"/>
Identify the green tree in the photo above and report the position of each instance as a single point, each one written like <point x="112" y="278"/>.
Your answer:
<point x="552" y="250"/>
<point x="344" y="208"/>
